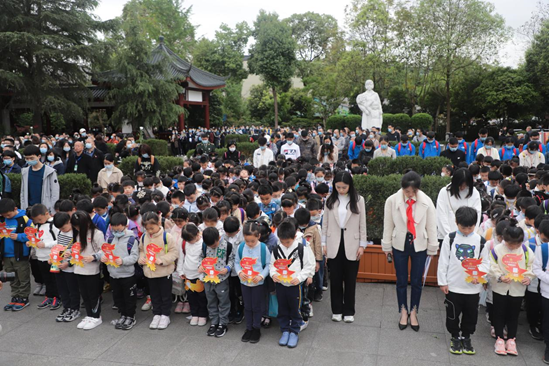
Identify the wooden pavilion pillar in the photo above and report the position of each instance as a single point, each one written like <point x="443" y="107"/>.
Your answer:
<point x="207" y="111"/>
<point x="182" y="115"/>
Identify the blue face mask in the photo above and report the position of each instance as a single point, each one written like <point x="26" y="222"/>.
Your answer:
<point x="417" y="133"/>
<point x="276" y="200"/>
<point x="43" y="150"/>
<point x="389" y="130"/>
<point x="67" y="148"/>
<point x="32" y="162"/>
<point x="7" y="162"/>
<point x="118" y="234"/>
<point x="109" y="166"/>
<point x="146" y="156"/>
<point x="51" y="158"/>
<point x="483" y="139"/>
<point x="453" y="149"/>
<point x="368" y="149"/>
<point x="263" y="147"/>
<point x="383" y="147"/>
<point x="88" y="145"/>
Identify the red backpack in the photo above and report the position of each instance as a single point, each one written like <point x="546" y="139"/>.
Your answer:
<point x="425" y="145"/>
<point x="409" y="147"/>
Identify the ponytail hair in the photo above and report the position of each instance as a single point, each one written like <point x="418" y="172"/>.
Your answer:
<point x="513" y="233"/>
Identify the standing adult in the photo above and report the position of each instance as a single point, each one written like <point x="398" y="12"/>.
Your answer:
<point x="307" y="146"/>
<point x="39" y="182"/>
<point x="409" y="234"/>
<point x="79" y="162"/>
<point x="344" y="224"/>
<point x="96" y="158"/>
<point x="262" y="155"/>
<point x="328" y="153"/>
<point x="146" y="161"/>
<point x="460" y="192"/>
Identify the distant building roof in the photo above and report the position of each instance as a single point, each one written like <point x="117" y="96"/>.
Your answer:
<point x="178" y="69"/>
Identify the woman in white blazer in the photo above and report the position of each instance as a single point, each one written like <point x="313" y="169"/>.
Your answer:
<point x="344" y="236"/>
<point x="409" y="234"/>
<point x="460" y="192"/>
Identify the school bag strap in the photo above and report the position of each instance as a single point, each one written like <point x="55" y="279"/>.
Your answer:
<point x="300" y="249"/>
<point x="263" y="252"/>
<point x="164" y="238"/>
<point x="452" y="237"/>
<point x="544" y="255"/>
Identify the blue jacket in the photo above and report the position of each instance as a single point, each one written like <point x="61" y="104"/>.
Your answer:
<point x="463" y="147"/>
<point x="473" y="149"/>
<point x="506" y="153"/>
<point x="429" y="149"/>
<point x="353" y="153"/>
<point x="405" y="149"/>
<point x="16" y="248"/>
<point x="269" y="209"/>
<point x="100" y="223"/>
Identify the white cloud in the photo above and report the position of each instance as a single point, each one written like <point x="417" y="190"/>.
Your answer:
<point x="209" y="14"/>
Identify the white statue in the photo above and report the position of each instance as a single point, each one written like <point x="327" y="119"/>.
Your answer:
<point x="370" y="105"/>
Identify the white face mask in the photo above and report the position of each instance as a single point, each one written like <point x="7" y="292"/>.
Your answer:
<point x="232" y="149"/>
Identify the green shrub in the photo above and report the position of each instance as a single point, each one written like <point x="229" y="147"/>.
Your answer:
<point x="352" y="121"/>
<point x="111" y="148"/>
<point x="388" y="119"/>
<point x="401" y="120"/>
<point x="422" y="121"/>
<point x="167" y="163"/>
<point x="237" y="137"/>
<point x="67" y="182"/>
<point x="127" y="165"/>
<point x="299" y="122"/>
<point x="388" y="166"/>
<point x="376" y="190"/>
<point x="158" y="147"/>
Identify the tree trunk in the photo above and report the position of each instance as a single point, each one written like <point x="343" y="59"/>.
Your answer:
<point x="435" y="127"/>
<point x="276" y="107"/>
<point x="448" y="106"/>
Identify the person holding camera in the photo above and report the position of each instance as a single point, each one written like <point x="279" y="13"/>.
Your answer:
<point x="412" y="209"/>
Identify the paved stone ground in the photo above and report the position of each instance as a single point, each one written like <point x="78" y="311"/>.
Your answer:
<point x="32" y="337"/>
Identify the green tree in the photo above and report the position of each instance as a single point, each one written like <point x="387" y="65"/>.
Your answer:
<point x="505" y="93"/>
<point x="233" y="104"/>
<point x="462" y="32"/>
<point x="273" y="55"/>
<point x="47" y="48"/>
<point x="167" y="18"/>
<point x="314" y="34"/>
<point x="537" y="66"/>
<point x="143" y="91"/>
<point x="326" y="89"/>
<point x="224" y="54"/>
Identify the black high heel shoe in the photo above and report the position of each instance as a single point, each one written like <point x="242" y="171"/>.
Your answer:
<point x="402" y="326"/>
<point x="415" y="328"/>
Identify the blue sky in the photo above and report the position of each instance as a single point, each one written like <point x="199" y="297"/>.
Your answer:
<point x="209" y="14"/>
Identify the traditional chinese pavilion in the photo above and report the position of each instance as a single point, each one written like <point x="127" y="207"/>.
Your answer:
<point x="197" y="84"/>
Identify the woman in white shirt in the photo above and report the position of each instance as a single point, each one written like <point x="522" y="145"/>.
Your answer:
<point x="460" y="192"/>
<point x="384" y="151"/>
<point x="489" y="149"/>
<point x="109" y="174"/>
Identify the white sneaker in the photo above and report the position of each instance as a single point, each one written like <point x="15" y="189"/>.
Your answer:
<point x="93" y="323"/>
<point x="303" y="326"/>
<point x="147" y="305"/>
<point x="349" y="319"/>
<point x="194" y="320"/>
<point x="164" y="322"/>
<point x="155" y="322"/>
<point x="311" y="310"/>
<point x="337" y="317"/>
<point x="202" y="322"/>
<point x="83" y="323"/>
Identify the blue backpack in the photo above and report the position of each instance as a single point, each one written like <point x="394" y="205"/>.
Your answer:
<point x="544" y="255"/>
<point x="264" y="251"/>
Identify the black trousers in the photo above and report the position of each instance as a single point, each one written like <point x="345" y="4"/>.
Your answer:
<point x="545" y="320"/>
<point x="67" y="285"/>
<point x="48" y="279"/>
<point x="90" y="288"/>
<point x="124" y="295"/>
<point x="506" y="311"/>
<point x="467" y="307"/>
<point x="36" y="271"/>
<point x="198" y="302"/>
<point x="289" y="301"/>
<point x="254" y="305"/>
<point x="161" y="295"/>
<point x="235" y="292"/>
<point x="533" y="308"/>
<point x="343" y="274"/>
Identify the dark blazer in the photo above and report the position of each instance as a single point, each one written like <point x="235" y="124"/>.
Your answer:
<point x="82" y="162"/>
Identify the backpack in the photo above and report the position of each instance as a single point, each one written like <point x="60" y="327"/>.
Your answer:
<point x="452" y="236"/>
<point x="131" y="242"/>
<point x="354" y="145"/>
<point x="424" y="145"/>
<point x="263" y="252"/>
<point x="400" y="146"/>
<point x="278" y="253"/>
<point x="51" y="229"/>
<point x="524" y="249"/>
<point x="163" y="237"/>
<point x="227" y="252"/>
<point x="544" y="255"/>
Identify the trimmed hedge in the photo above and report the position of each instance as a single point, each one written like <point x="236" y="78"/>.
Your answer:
<point x="167" y="163"/>
<point x="352" y="121"/>
<point x="246" y="148"/>
<point x="401" y="120"/>
<point x="67" y="182"/>
<point x="422" y="121"/>
<point x="388" y="119"/>
<point x="377" y="189"/>
<point x="388" y="166"/>
<point x="158" y="147"/>
<point x="237" y="138"/>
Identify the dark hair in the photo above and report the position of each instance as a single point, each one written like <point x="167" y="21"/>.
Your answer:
<point x="513" y="233"/>
<point x="411" y="179"/>
<point x="264" y="189"/>
<point x="189" y="232"/>
<point x="278" y="217"/>
<point x="460" y="177"/>
<point x="303" y="216"/>
<point x="466" y="216"/>
<point x="150" y="218"/>
<point x="119" y="219"/>
<point x="344" y="177"/>
<point x="231" y="224"/>
<point x="251" y="228"/>
<point x="84" y="205"/>
<point x="180" y="213"/>
<point x="7" y="205"/>
<point x="100" y="202"/>
<point x="210" y="214"/>
<point x="31" y="150"/>
<point x="286" y="230"/>
<point x="189" y="189"/>
<point x="210" y="235"/>
<point x="252" y="210"/>
<point x="544" y="228"/>
<point x="38" y="210"/>
<point x="60" y="219"/>
<point x="82" y="223"/>
<point x="532" y="212"/>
